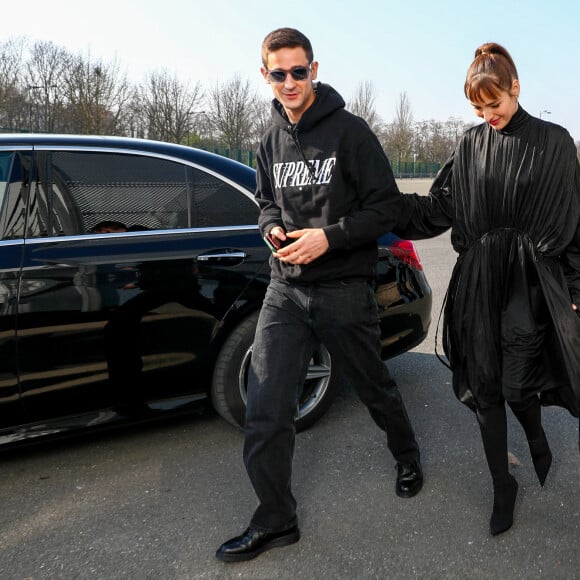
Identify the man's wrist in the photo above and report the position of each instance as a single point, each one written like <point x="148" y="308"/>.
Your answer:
<point x="335" y="237"/>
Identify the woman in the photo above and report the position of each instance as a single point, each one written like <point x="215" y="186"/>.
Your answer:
<point x="511" y="195"/>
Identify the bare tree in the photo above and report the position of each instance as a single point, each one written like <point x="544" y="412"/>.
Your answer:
<point x="171" y="109"/>
<point x="134" y="122"/>
<point x="13" y="107"/>
<point x="398" y="136"/>
<point x="431" y="142"/>
<point x="434" y="141"/>
<point x="403" y="127"/>
<point x="455" y="127"/>
<point x="262" y="118"/>
<point x="421" y="139"/>
<point x="231" y="112"/>
<point x="47" y="88"/>
<point x="97" y="95"/>
<point x="363" y="105"/>
<point x="44" y="78"/>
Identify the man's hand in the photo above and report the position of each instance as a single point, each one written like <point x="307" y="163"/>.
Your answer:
<point x="309" y="245"/>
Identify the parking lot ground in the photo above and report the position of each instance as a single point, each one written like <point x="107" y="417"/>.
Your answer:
<point x="155" y="502"/>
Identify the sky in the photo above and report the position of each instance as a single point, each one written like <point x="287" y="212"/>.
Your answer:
<point x="419" y="47"/>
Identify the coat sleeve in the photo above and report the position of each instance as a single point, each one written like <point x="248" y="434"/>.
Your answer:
<point x="431" y="215"/>
<point x="379" y="201"/>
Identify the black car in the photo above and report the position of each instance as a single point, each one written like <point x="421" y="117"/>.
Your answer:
<point x="132" y="273"/>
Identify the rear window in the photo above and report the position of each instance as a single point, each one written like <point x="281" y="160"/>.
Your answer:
<point x="77" y="192"/>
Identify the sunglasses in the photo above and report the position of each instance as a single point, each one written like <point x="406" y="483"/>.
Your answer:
<point x="298" y="73"/>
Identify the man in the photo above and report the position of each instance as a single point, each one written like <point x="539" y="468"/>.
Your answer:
<point x="326" y="193"/>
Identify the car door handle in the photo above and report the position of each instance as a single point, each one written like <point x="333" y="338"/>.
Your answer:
<point x="222" y="258"/>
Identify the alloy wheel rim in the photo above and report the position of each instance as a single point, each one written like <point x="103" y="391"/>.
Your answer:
<point x="315" y="386"/>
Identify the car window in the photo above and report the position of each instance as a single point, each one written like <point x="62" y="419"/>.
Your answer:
<point x="77" y="190"/>
<point x="14" y="181"/>
<point x="217" y="203"/>
<point x="5" y="164"/>
<point x="83" y="192"/>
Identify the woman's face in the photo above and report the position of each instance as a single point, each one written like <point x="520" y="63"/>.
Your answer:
<point x="497" y="110"/>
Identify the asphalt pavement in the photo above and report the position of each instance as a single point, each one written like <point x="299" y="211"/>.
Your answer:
<point x="155" y="502"/>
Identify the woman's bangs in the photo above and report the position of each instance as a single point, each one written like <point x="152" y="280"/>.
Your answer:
<point x="482" y="88"/>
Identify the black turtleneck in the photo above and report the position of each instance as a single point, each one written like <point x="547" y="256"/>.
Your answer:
<point x="516" y="122"/>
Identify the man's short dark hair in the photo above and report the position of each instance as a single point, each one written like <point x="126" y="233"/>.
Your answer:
<point x="108" y="226"/>
<point x="286" y="38"/>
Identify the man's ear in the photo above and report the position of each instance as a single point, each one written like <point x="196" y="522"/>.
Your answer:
<point x="264" y="74"/>
<point x="314" y="69"/>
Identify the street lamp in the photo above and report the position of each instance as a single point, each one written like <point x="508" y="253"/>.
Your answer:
<point x="544" y="111"/>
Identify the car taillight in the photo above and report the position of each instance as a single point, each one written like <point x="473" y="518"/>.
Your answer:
<point x="406" y="252"/>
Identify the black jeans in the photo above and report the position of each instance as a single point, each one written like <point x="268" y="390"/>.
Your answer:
<point x="293" y="321"/>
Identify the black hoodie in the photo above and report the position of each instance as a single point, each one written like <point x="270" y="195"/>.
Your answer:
<point x="328" y="171"/>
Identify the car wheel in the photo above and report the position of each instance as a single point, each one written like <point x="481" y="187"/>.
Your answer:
<point x="230" y="379"/>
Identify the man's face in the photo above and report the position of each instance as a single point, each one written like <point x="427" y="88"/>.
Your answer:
<point x="294" y="95"/>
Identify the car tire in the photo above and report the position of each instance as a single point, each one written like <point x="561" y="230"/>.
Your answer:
<point x="229" y="384"/>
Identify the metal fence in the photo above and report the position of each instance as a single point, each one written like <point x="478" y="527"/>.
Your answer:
<point x="402" y="169"/>
<point x="415" y="169"/>
<point x="247" y="157"/>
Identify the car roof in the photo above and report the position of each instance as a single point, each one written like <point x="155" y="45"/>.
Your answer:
<point x="230" y="168"/>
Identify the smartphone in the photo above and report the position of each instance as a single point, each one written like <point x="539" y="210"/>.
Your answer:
<point x="273" y="242"/>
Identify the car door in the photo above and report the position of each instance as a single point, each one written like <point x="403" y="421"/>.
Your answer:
<point x="120" y="295"/>
<point x="14" y="178"/>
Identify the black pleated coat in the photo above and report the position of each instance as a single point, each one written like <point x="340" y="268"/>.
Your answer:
<point x="512" y="200"/>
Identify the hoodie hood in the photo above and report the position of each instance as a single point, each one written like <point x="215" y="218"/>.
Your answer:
<point x="326" y="102"/>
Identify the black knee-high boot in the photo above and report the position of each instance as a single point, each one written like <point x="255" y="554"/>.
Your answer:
<point x="493" y="427"/>
<point x="529" y="414"/>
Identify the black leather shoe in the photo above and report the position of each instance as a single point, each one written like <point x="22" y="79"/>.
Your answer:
<point x="253" y="542"/>
<point x="409" y="479"/>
